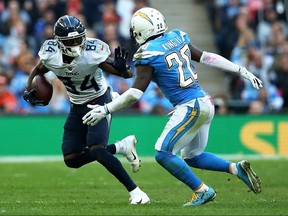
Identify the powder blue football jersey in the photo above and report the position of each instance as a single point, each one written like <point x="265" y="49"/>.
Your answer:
<point x="174" y="71"/>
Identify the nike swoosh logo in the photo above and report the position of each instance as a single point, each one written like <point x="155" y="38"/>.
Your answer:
<point x="134" y="157"/>
<point x="139" y="202"/>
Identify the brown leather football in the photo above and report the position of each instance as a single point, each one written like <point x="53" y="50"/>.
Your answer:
<point x="43" y="87"/>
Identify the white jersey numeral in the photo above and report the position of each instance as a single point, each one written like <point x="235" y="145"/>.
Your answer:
<point x="183" y="61"/>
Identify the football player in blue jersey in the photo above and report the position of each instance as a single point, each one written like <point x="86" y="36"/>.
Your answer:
<point x="167" y="59"/>
<point x="79" y="62"/>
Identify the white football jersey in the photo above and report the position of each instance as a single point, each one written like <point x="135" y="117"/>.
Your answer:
<point x="83" y="79"/>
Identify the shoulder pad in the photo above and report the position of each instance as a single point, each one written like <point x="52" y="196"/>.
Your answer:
<point x="48" y="48"/>
<point x="147" y="51"/>
<point x="182" y="34"/>
<point x="97" y="50"/>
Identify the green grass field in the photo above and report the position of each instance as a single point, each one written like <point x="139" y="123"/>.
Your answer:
<point x="52" y="189"/>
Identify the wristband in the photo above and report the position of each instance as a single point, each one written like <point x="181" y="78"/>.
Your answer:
<point x="107" y="111"/>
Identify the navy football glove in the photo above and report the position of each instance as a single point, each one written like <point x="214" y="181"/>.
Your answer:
<point x="29" y="96"/>
<point x="120" y="60"/>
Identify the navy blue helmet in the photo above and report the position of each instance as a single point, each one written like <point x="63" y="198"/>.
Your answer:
<point x="70" y="35"/>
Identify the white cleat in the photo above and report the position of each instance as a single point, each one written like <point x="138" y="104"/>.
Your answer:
<point x="139" y="199"/>
<point x="130" y="153"/>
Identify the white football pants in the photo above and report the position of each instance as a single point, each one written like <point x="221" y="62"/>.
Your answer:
<point x="188" y="128"/>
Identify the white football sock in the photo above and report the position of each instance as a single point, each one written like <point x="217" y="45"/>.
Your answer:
<point x="202" y="188"/>
<point x="121" y="147"/>
<point x="135" y="191"/>
<point x="233" y="169"/>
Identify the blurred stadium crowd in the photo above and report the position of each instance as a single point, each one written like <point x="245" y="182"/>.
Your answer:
<point x="252" y="33"/>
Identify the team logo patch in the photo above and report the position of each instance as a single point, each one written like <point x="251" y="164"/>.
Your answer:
<point x="143" y="15"/>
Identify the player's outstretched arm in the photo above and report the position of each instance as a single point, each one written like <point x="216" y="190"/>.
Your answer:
<point x="217" y="61"/>
<point x="132" y="95"/>
<point x="99" y="112"/>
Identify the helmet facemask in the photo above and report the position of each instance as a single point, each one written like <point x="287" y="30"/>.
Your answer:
<point x="133" y="36"/>
<point x="73" y="45"/>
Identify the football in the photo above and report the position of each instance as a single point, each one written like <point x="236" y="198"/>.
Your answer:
<point x="43" y="87"/>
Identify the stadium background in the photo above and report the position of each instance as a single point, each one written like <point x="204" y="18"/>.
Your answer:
<point x="246" y="123"/>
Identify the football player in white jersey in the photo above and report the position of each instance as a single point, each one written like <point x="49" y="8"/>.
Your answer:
<point x="167" y="59"/>
<point x="79" y="63"/>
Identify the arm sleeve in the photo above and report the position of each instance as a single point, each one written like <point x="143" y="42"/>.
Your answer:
<point x="219" y="62"/>
<point x="126" y="99"/>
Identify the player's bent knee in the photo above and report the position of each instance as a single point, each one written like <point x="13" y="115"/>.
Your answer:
<point x="161" y="156"/>
<point x="73" y="163"/>
<point x="100" y="154"/>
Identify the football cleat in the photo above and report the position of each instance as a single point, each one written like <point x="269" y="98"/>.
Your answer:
<point x="201" y="198"/>
<point x="128" y="149"/>
<point x="139" y="199"/>
<point x="248" y="176"/>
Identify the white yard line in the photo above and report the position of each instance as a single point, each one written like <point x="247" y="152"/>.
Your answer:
<point x="52" y="158"/>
